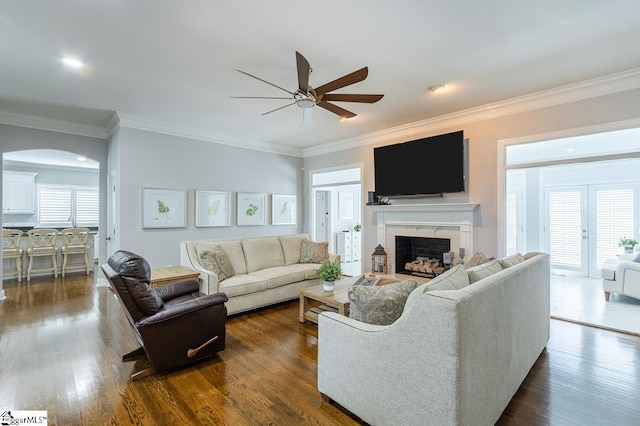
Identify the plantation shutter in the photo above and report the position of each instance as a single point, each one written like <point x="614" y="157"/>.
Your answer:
<point x="54" y="206"/>
<point x="86" y="207"/>
<point x="66" y="206"/>
<point x="511" y="223"/>
<point x="614" y="220"/>
<point x="565" y="228"/>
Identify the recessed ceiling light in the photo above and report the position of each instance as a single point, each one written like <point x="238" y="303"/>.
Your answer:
<point x="570" y="149"/>
<point x="72" y="62"/>
<point x="81" y="158"/>
<point x="436" y="88"/>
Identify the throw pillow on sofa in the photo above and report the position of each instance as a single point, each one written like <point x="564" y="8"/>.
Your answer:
<point x="380" y="305"/>
<point x="312" y="252"/>
<point x="478" y="259"/>
<point x="217" y="261"/>
<point x="514" y="259"/>
<point x="483" y="271"/>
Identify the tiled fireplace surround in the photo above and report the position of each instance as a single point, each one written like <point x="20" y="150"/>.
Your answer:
<point x="453" y="221"/>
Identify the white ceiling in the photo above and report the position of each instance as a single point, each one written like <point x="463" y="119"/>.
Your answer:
<point x="171" y="63"/>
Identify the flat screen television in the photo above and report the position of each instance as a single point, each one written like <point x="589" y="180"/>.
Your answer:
<point x="428" y="166"/>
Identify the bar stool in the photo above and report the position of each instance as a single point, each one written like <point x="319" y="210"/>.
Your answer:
<point x="11" y="249"/>
<point x="42" y="242"/>
<point x="75" y="241"/>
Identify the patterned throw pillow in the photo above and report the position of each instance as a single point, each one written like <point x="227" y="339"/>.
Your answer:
<point x="312" y="252"/>
<point x="380" y="305"/>
<point x="217" y="261"/>
<point x="477" y="259"/>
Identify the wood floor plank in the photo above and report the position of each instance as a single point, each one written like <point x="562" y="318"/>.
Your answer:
<point x="61" y="343"/>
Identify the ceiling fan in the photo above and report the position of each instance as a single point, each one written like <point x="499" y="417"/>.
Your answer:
<point x="306" y="97"/>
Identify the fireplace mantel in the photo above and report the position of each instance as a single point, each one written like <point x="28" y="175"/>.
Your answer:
<point x="442" y="207"/>
<point x="454" y="221"/>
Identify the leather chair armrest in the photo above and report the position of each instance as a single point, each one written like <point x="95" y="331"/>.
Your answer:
<point x="183" y="309"/>
<point x="178" y="288"/>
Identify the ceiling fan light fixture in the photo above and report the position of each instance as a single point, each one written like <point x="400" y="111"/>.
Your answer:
<point x="305" y="103"/>
<point x="436" y="88"/>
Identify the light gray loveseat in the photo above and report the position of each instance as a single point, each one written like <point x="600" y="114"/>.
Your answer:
<point x="454" y="357"/>
<point x="266" y="270"/>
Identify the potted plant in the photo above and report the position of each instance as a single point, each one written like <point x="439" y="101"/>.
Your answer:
<point x="627" y="243"/>
<point x="357" y="227"/>
<point x="329" y="272"/>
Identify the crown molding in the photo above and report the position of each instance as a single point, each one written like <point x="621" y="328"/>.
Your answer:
<point x="133" y="122"/>
<point x="52" y="125"/>
<point x="609" y="84"/>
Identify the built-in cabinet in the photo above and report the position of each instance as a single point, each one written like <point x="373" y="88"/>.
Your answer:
<point x="349" y="246"/>
<point x="18" y="192"/>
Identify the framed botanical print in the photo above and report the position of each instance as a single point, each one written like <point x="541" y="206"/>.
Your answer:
<point x="212" y="208"/>
<point x="163" y="208"/>
<point x="251" y="209"/>
<point x="283" y="209"/>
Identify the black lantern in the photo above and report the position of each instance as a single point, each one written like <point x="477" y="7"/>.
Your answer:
<point x="379" y="260"/>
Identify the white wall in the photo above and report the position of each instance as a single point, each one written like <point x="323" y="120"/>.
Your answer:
<point x="146" y="159"/>
<point x="483" y="136"/>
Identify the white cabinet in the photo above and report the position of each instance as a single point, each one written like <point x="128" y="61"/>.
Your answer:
<point x="356" y="246"/>
<point x="18" y="192"/>
<point x="349" y="246"/>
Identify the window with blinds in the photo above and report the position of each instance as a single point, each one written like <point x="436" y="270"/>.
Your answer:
<point x="614" y="220"/>
<point x="60" y="206"/>
<point x="565" y="227"/>
<point x="511" y="223"/>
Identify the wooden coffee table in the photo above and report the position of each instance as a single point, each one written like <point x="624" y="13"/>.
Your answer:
<point x="338" y="299"/>
<point x="170" y="274"/>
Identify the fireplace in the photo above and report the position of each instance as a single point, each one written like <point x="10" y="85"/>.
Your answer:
<point x="423" y="250"/>
<point x="450" y="221"/>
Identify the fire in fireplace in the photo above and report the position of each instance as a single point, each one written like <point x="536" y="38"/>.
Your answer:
<point x="422" y="255"/>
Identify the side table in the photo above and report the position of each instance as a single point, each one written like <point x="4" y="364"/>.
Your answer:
<point x="170" y="274"/>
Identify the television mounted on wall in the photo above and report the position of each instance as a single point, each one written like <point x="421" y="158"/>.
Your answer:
<point x="428" y="166"/>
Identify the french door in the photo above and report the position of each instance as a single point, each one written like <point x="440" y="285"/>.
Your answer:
<point x="583" y="224"/>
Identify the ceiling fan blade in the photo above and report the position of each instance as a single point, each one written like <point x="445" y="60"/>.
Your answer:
<point x="304" y="69"/>
<point x="264" y="81"/>
<point x="257" y="97"/>
<point x="343" y="81"/>
<point x="274" y="110"/>
<point x="336" y="97"/>
<point x="336" y="109"/>
<point x="307" y="114"/>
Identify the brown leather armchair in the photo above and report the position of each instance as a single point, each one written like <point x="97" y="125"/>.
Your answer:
<point x="174" y="324"/>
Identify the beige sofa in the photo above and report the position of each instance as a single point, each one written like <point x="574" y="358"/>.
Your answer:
<point x="454" y="357"/>
<point x="266" y="270"/>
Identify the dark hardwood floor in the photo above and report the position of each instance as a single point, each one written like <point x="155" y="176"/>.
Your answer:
<point x="61" y="344"/>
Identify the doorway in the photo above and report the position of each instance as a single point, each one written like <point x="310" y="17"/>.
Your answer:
<point x="337" y="210"/>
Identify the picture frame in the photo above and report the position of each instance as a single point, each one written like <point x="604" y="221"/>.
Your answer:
<point x="251" y="209"/>
<point x="212" y="208"/>
<point x="283" y="209"/>
<point x="345" y="205"/>
<point x="164" y="208"/>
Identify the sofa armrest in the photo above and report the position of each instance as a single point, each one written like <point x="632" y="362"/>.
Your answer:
<point x="209" y="283"/>
<point x="334" y="257"/>
<point x="349" y="322"/>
